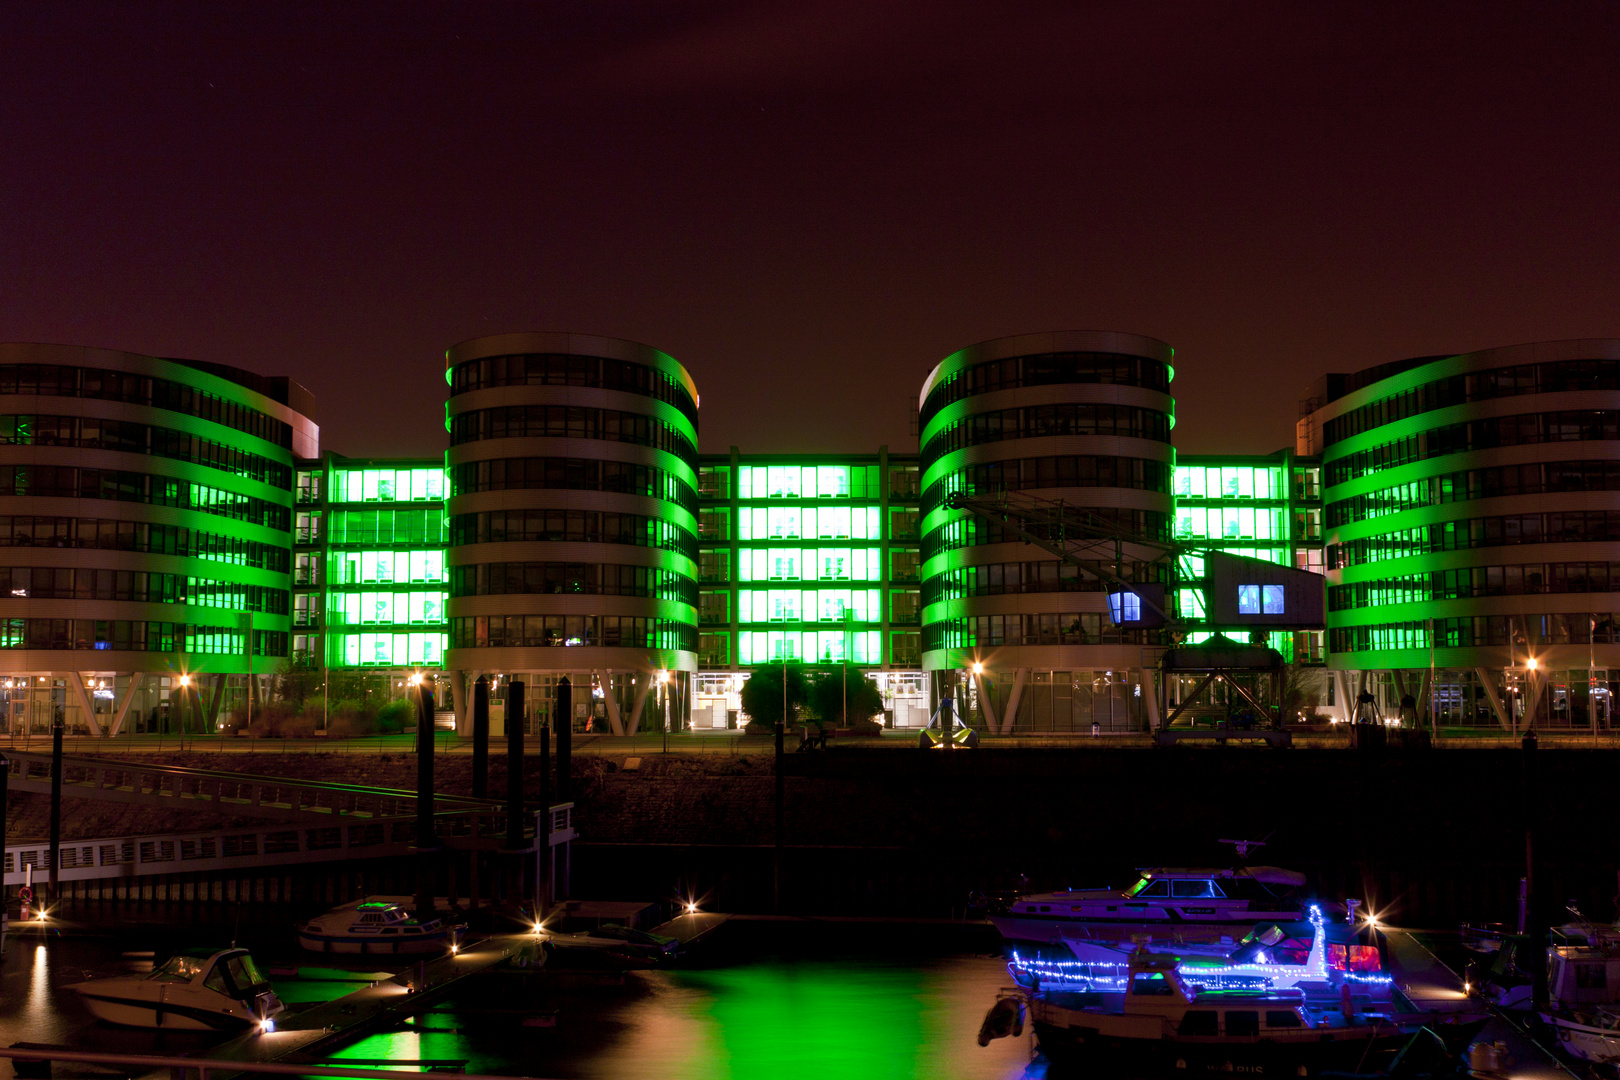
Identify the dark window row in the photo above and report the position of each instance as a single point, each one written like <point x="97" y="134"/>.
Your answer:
<point x="1024" y="474"/>
<point x="88" y="432"/>
<point x="1470" y="581"/>
<point x="1043" y="421"/>
<point x="1559" y="628"/>
<point x="1553" y="377"/>
<point x="1535" y="478"/>
<point x="971" y="531"/>
<point x="588" y="474"/>
<point x="386" y="526"/>
<point x="69" y="482"/>
<point x="1565" y="527"/>
<point x="1044" y="370"/>
<point x="58" y="381"/>
<point x="561" y="369"/>
<point x="1052" y="629"/>
<point x="571" y="422"/>
<point x="1584" y="425"/>
<point x="600" y="579"/>
<point x="83" y="583"/>
<point x="997" y="579"/>
<point x="105" y="534"/>
<point x="123" y="635"/>
<point x="578" y="526"/>
<point x="542" y="631"/>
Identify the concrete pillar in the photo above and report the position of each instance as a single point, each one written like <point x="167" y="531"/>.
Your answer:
<point x="987" y="706"/>
<point x="1489" y="686"/>
<point x="1010" y="716"/>
<point x="458" y="701"/>
<point x="135" y="681"/>
<point x="1150" y="697"/>
<point x="615" y="721"/>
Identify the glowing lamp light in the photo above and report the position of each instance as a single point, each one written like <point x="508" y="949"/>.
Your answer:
<point x="691" y="907"/>
<point x="663" y="676"/>
<point x="185" y="680"/>
<point x="1530" y="663"/>
<point x="978" y="668"/>
<point x="267" y="1025"/>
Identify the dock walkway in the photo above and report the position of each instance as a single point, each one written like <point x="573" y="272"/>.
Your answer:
<point x="381" y="1005"/>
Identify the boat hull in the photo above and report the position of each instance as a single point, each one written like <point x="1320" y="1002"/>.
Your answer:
<point x="1600" y="1046"/>
<point x="168" y="1016"/>
<point x="1310" y="1052"/>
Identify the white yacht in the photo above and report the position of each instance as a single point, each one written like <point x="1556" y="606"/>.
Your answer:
<point x="195" y="991"/>
<point x="1180" y="905"/>
<point x="373" y="927"/>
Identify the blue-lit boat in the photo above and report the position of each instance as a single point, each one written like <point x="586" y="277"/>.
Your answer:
<point x="1162" y="1018"/>
<point x="1182" y="905"/>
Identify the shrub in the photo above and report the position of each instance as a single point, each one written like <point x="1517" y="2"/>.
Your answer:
<point x="271" y="721"/>
<point x="346" y="719"/>
<point x="393" y="717"/>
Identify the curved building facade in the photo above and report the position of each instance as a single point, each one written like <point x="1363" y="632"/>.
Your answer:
<point x="145" y="530"/>
<point x="1081" y="417"/>
<point x="1472" y="518"/>
<point x="572" y="477"/>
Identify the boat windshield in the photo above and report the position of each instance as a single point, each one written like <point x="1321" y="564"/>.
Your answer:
<point x="244" y="974"/>
<point x="178" y="969"/>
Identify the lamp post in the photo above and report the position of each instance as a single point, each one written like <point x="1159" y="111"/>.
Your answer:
<point x="663" y="703"/>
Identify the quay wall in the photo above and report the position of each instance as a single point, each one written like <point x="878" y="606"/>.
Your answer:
<point x="1431" y="838"/>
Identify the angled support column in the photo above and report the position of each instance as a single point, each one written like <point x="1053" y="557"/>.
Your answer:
<point x="458" y="699"/>
<point x="87" y="704"/>
<point x="634" y="723"/>
<point x="1347" y="700"/>
<point x="1490" y="695"/>
<point x="986" y="706"/>
<point x="214" y="702"/>
<point x="1150" y="695"/>
<point x="1010" y="716"/>
<point x="615" y="721"/>
<point x="122" y="712"/>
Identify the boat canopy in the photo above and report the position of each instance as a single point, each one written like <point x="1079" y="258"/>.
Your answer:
<point x="1271" y="875"/>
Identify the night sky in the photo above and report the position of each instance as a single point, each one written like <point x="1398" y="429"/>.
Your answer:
<point x="807" y="204"/>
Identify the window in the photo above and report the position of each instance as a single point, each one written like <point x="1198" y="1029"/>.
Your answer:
<point x="1194" y="889"/>
<point x="1283" y="1018"/>
<point x="1124" y="607"/>
<point x="1158" y="888"/>
<point x="1242" y="1023"/>
<point x="1199" y="1022"/>
<point x="1260" y="600"/>
<point x="1151" y="984"/>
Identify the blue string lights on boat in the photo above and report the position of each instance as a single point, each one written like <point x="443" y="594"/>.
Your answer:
<point x="1259" y="974"/>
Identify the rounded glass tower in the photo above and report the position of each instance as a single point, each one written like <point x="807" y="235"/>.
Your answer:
<point x="1082" y="418"/>
<point x="145" y="533"/>
<point x="1472" y="508"/>
<point x="572" y="509"/>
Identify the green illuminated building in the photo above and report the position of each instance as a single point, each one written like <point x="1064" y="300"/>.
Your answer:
<point x="1261" y="507"/>
<point x="810" y="559"/>
<point x="369" y="571"/>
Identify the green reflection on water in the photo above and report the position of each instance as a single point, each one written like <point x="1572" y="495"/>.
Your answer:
<point x="812" y="1020"/>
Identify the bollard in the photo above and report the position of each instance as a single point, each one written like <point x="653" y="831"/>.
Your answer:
<point x="480" y="747"/>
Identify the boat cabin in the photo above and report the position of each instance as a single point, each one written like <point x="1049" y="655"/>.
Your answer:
<point x="1157" y="988"/>
<point x="231" y="972"/>
<point x="1582" y="976"/>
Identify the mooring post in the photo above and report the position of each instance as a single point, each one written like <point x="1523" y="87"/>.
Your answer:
<point x="781" y="811"/>
<point x="564" y="723"/>
<point x="480" y="726"/>
<point x="515" y="717"/>
<point x="426" y="842"/>
<point x="1535" y="922"/>
<point x="5" y="787"/>
<point x="542" y="829"/>
<point x="57" y="724"/>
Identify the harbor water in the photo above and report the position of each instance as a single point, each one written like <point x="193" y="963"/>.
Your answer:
<point x="762" y="999"/>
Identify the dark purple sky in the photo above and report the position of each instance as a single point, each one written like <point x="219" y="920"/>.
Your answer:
<point x="808" y="204"/>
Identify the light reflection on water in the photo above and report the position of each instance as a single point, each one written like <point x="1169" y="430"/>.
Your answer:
<point x="834" y="1007"/>
<point x="838" y="1019"/>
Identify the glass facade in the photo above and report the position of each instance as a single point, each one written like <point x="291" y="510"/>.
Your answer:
<point x="1266" y="508"/>
<point x="1467" y="520"/>
<point x="370" y="542"/>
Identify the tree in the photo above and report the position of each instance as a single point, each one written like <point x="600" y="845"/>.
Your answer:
<point x="828" y="695"/>
<point x="762" y="694"/>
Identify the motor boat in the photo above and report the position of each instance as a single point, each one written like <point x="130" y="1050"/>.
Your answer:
<point x="1583" y="999"/>
<point x="1159" y="1020"/>
<point x="614" y="945"/>
<point x="374" y="927"/>
<point x="193" y="991"/>
<point x="1182" y="905"/>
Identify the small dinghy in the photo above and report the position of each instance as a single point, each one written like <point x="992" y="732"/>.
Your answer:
<point x="373" y="928"/>
<point x="194" y="991"/>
